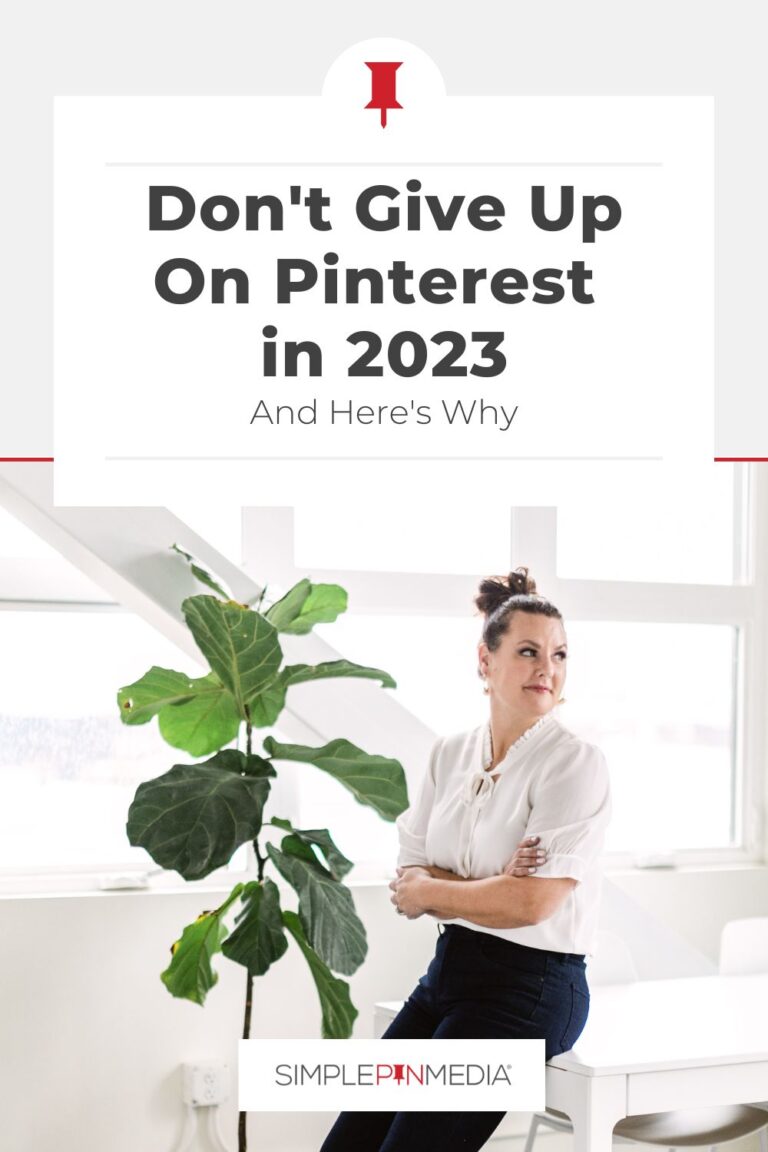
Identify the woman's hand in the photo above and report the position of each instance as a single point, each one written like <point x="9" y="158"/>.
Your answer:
<point x="528" y="857"/>
<point x="405" y="891"/>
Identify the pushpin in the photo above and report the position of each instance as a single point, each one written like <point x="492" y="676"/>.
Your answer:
<point x="399" y="1068"/>
<point x="383" y="95"/>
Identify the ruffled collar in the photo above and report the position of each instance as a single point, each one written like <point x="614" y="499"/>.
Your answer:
<point x="480" y="781"/>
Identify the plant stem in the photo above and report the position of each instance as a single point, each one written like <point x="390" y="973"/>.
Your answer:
<point x="248" y="733"/>
<point x="260" y="861"/>
<point x="242" y="1134"/>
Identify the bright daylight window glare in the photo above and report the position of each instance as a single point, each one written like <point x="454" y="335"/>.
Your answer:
<point x="432" y="658"/>
<point x="658" y="700"/>
<point x="673" y="535"/>
<point x="69" y="768"/>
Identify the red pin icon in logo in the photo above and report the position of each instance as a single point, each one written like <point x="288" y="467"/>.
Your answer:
<point x="383" y="85"/>
<point x="399" y="1068"/>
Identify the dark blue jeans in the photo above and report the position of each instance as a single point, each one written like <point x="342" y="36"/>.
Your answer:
<point x="480" y="987"/>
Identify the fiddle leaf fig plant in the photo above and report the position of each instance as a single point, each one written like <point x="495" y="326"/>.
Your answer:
<point x="195" y="816"/>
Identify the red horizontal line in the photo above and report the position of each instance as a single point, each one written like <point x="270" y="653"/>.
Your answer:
<point x="49" y="459"/>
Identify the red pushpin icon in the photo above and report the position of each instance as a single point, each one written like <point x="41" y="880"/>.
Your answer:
<point x="383" y="84"/>
<point x="399" y="1068"/>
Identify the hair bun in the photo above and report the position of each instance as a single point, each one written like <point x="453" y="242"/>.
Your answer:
<point x="497" y="590"/>
<point x="520" y="583"/>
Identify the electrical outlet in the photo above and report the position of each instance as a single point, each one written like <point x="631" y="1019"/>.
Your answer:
<point x="206" y="1083"/>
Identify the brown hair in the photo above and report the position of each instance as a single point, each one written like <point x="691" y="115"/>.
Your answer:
<point x="499" y="597"/>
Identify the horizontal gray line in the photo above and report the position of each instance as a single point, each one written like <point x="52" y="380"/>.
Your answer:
<point x="358" y="459"/>
<point x="384" y="164"/>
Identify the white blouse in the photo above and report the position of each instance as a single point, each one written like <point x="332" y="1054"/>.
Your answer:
<point x="550" y="784"/>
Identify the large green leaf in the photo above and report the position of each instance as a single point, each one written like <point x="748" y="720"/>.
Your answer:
<point x="190" y="974"/>
<point x="338" y="1011"/>
<point x="326" y="909"/>
<point x="336" y="862"/>
<point x="241" y="646"/>
<point x="200" y="573"/>
<point x="258" y="940"/>
<point x="204" y="723"/>
<point x="198" y="716"/>
<point x="303" y="673"/>
<point x="156" y="689"/>
<point x="265" y="708"/>
<point x="305" y="605"/>
<point x="372" y="780"/>
<point x="194" y="817"/>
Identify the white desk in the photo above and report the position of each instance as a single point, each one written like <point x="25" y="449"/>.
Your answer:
<point x="658" y="1045"/>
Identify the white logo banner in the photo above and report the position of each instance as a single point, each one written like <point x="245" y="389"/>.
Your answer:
<point x="391" y="1075"/>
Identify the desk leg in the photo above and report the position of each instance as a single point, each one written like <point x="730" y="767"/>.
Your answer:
<point x="593" y="1103"/>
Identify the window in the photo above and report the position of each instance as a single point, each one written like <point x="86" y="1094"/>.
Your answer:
<point x="67" y="763"/>
<point x="667" y="639"/>
<point x="68" y="767"/>
<point x="688" y="534"/>
<point x="658" y="700"/>
<point x="665" y="674"/>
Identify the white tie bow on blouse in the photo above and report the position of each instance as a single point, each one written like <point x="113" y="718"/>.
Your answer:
<point x="480" y="782"/>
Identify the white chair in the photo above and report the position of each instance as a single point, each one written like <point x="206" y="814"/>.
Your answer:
<point x="744" y="951"/>
<point x="685" y="1128"/>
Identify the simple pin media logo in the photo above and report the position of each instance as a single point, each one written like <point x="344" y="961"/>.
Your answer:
<point x="456" y="1074"/>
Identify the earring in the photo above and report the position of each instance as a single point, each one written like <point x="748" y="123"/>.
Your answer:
<point x="484" y="680"/>
<point x="561" y="700"/>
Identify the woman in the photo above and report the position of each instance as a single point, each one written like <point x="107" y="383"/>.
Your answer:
<point x="509" y="961"/>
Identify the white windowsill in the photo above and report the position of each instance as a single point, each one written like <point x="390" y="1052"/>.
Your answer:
<point x="48" y="885"/>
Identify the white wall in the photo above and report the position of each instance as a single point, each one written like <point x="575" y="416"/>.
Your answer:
<point x="92" y="1042"/>
<point x="697" y="903"/>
